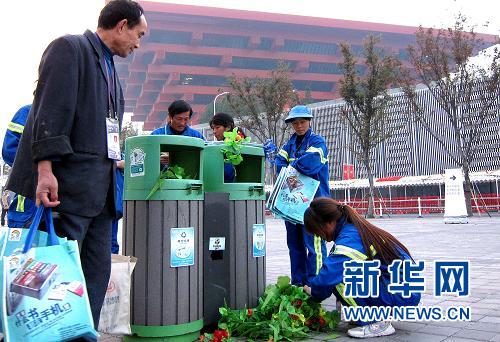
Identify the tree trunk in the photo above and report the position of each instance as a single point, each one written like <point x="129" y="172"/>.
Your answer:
<point x="271" y="173"/>
<point x="371" y="196"/>
<point x="467" y="190"/>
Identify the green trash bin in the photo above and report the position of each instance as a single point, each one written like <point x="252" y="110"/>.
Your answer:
<point x="233" y="217"/>
<point x="165" y="234"/>
<point x="250" y="172"/>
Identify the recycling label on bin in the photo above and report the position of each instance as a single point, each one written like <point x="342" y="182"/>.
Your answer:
<point x="259" y="240"/>
<point x="137" y="157"/>
<point x="217" y="244"/>
<point x="181" y="247"/>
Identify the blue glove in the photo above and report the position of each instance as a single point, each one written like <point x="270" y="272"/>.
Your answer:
<point x="270" y="150"/>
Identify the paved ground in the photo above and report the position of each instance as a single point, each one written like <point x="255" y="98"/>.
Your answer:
<point x="428" y="239"/>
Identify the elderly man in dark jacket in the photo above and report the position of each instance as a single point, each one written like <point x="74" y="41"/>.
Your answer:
<point x="66" y="154"/>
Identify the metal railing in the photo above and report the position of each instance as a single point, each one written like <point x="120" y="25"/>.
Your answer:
<point x="422" y="205"/>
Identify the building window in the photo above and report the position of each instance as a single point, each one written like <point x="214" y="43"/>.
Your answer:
<point x="222" y="40"/>
<point x="203" y="80"/>
<point x="258" y="63"/>
<point x="315" y="48"/>
<point x="324" y="68"/>
<point x="403" y="55"/>
<point x="202" y="98"/>
<point x="265" y="44"/>
<point x="169" y="37"/>
<point x="191" y="59"/>
<point x="313" y="85"/>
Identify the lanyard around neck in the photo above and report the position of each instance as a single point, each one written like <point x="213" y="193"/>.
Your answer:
<point x="111" y="86"/>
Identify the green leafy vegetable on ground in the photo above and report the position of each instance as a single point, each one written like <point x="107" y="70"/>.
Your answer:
<point x="284" y="312"/>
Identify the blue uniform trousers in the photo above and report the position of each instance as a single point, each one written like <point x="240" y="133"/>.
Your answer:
<point x="307" y="253"/>
<point x="115" y="246"/>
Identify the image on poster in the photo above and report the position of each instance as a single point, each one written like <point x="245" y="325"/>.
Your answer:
<point x="137" y="158"/>
<point x="259" y="240"/>
<point x="181" y="247"/>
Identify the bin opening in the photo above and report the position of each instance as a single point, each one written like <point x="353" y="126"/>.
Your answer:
<point x="249" y="170"/>
<point x="217" y="255"/>
<point x="185" y="157"/>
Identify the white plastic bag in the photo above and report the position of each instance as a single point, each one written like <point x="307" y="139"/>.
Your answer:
<point x="115" y="311"/>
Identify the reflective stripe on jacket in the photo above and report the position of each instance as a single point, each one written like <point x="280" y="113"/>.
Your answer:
<point x="13" y="134"/>
<point x="348" y="246"/>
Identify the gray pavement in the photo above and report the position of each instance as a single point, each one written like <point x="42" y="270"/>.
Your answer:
<point x="428" y="239"/>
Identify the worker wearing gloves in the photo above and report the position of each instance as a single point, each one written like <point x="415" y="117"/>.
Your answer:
<point x="307" y="153"/>
<point x="356" y="240"/>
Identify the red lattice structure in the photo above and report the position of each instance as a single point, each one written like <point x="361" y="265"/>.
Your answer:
<point x="190" y="51"/>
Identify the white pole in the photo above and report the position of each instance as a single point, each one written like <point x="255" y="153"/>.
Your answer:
<point x="419" y="207"/>
<point x="380" y="208"/>
<point x="215" y="99"/>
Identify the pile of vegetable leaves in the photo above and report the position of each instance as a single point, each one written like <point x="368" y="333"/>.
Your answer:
<point x="284" y="312"/>
<point x="171" y="172"/>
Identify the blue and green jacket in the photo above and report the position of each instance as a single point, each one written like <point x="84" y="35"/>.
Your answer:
<point x="348" y="246"/>
<point x="22" y="209"/>
<point x="310" y="159"/>
<point x="188" y="132"/>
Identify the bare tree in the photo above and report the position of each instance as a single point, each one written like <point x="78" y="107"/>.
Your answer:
<point x="366" y="102"/>
<point x="261" y="104"/>
<point x="128" y="130"/>
<point x="465" y="94"/>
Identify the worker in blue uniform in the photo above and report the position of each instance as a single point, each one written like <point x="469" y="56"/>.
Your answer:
<point x="22" y="209"/>
<point x="355" y="239"/>
<point x="120" y="165"/>
<point x="307" y="153"/>
<point x="179" y="115"/>
<point x="221" y="123"/>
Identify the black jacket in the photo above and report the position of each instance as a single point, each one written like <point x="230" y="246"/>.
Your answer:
<point x="67" y="125"/>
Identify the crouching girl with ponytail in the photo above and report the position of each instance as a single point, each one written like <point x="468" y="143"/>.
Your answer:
<point x="355" y="239"/>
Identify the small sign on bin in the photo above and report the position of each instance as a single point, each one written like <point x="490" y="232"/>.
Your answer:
<point x="181" y="247"/>
<point x="217" y="243"/>
<point x="259" y="240"/>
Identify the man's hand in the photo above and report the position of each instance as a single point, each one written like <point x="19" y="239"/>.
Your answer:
<point x="120" y="164"/>
<point x="46" y="188"/>
<point x="307" y="290"/>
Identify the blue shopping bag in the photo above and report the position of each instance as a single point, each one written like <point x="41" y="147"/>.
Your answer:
<point x="12" y="242"/>
<point x="43" y="289"/>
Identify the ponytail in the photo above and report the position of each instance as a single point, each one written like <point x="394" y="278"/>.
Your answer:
<point x="326" y="210"/>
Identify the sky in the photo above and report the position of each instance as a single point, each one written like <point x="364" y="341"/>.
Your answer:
<point x="31" y="25"/>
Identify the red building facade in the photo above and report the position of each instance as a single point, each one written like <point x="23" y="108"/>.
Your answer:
<point x="190" y="51"/>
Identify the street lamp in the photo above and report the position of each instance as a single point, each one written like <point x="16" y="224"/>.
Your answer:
<point x="215" y="99"/>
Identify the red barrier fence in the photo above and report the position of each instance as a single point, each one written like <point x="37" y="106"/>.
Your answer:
<point x="427" y="205"/>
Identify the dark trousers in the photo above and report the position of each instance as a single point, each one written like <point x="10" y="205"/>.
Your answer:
<point x="4" y="212"/>
<point x="94" y="239"/>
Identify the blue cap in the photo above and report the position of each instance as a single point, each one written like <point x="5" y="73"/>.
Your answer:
<point x="298" y="112"/>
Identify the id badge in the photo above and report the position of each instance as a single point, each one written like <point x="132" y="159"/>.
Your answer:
<point x="113" y="139"/>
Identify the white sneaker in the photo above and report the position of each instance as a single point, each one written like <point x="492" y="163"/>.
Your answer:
<point x="372" y="330"/>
